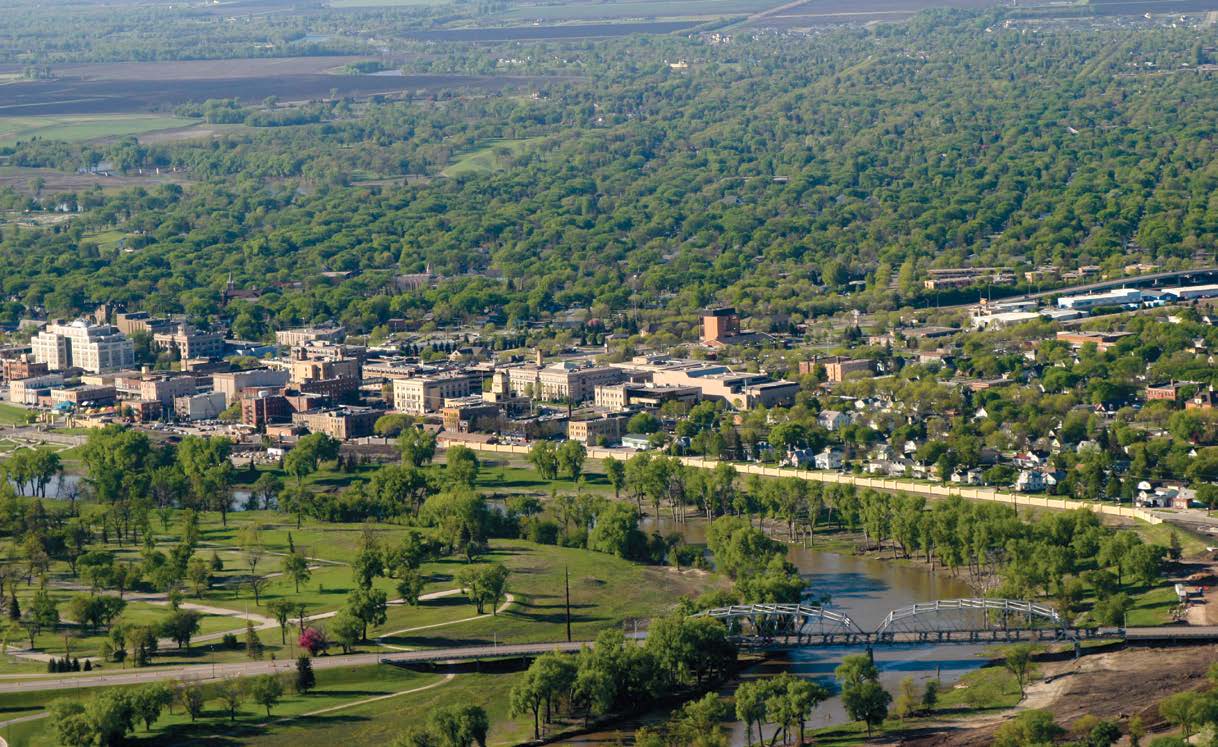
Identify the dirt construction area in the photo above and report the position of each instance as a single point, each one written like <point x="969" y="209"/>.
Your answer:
<point x="1113" y="685"/>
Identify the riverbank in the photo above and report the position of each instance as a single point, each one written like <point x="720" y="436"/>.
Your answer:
<point x="1073" y="689"/>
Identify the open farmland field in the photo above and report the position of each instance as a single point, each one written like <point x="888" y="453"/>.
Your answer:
<point x="128" y="88"/>
<point x="76" y="128"/>
<point x="822" y="12"/>
<point x="205" y="69"/>
<point x="633" y="9"/>
<point x="526" y="33"/>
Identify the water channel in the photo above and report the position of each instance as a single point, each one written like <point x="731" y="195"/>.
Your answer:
<point x="863" y="588"/>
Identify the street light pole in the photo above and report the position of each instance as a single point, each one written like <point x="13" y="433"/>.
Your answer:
<point x="566" y="572"/>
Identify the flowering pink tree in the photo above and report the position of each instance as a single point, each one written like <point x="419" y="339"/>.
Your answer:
<point x="313" y="641"/>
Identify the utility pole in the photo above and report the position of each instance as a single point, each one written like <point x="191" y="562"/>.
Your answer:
<point x="566" y="573"/>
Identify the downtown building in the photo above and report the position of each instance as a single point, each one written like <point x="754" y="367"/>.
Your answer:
<point x="95" y="348"/>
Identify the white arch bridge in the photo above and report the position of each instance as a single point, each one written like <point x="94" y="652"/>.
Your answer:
<point x="772" y="626"/>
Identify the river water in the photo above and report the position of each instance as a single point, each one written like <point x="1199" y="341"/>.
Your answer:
<point x="863" y="588"/>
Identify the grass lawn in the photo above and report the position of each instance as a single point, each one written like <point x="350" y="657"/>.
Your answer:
<point x="498" y="478"/>
<point x="13" y="415"/>
<point x="1153" y="607"/>
<point x="377" y="722"/>
<point x="605" y="592"/>
<point x="76" y="128"/>
<point x="1160" y="534"/>
<point x="87" y="644"/>
<point x="493" y="156"/>
<point x="382" y="722"/>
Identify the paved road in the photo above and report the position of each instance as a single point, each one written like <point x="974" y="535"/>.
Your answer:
<point x="202" y="672"/>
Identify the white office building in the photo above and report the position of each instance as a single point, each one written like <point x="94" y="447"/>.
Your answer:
<point x="95" y="348"/>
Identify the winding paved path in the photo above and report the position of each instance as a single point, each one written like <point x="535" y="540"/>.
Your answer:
<point x="204" y="672"/>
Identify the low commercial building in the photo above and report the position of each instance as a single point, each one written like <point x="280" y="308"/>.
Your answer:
<point x="207" y="406"/>
<point x="424" y="394"/>
<point x="304" y="368"/>
<point x="742" y="391"/>
<point x="84" y="397"/>
<point x="470" y="414"/>
<point x="622" y="396"/>
<point x="299" y="336"/>
<point x="1118" y="297"/>
<point x="27" y="391"/>
<point x="23" y="367"/>
<point x="837" y="368"/>
<point x="166" y="389"/>
<point x="129" y="323"/>
<point x="1169" y="392"/>
<point x="597" y="431"/>
<point x="145" y="411"/>
<point x="1192" y="292"/>
<point x="1102" y="340"/>
<point x="188" y="342"/>
<point x="342" y="424"/>
<point x="231" y="383"/>
<point x="564" y="381"/>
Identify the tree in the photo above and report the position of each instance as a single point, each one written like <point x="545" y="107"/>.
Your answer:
<point x="750" y="707"/>
<point x="462" y="466"/>
<point x="1028" y="728"/>
<point x="410" y="586"/>
<point x="615" y="471"/>
<point x="190" y="696"/>
<point x="855" y="669"/>
<point x="266" y="690"/>
<point x="570" y="456"/>
<point x="70" y="724"/>
<point x="41" y="614"/>
<point x="313" y="640"/>
<point x="111" y="714"/>
<point x="930" y="695"/>
<point x="1018" y="660"/>
<point x="149" y="700"/>
<point x="803" y="696"/>
<point x="544" y="458"/>
<point x="368" y="564"/>
<point x="369" y="606"/>
<point x="181" y="626"/>
<point x="1187" y="709"/>
<point x="392" y="425"/>
<point x="347" y="629"/>
<point x="281" y="609"/>
<point x="296" y="567"/>
<point x="305" y="679"/>
<point x="907" y="698"/>
<point x="867" y="702"/>
<point x="418" y="446"/>
<point x="199" y="574"/>
<point x="232" y="693"/>
<point x="459" y="725"/>
<point x="253" y="643"/>
<point x="484" y="585"/>
<point x="526" y="697"/>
